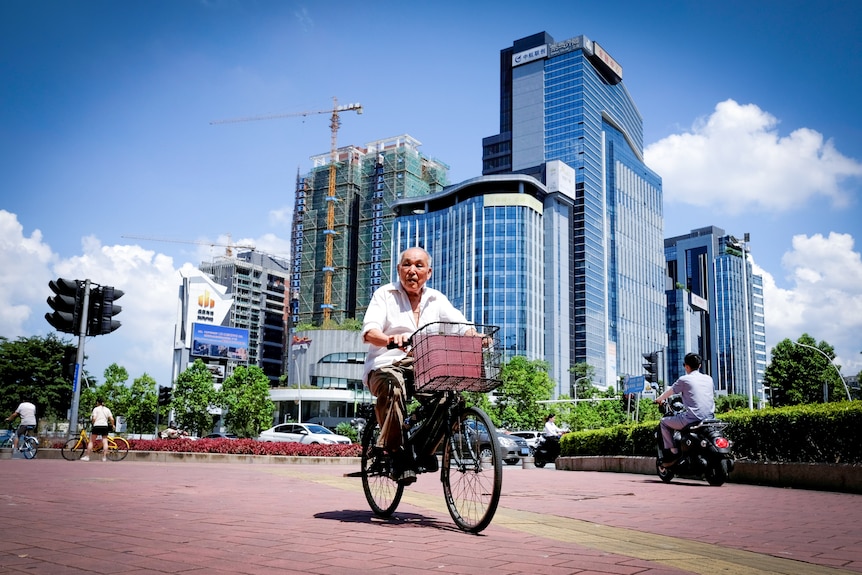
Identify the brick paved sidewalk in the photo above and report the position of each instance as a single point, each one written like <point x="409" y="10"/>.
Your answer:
<point x="134" y="518"/>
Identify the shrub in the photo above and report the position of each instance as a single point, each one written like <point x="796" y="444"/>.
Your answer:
<point x="816" y="433"/>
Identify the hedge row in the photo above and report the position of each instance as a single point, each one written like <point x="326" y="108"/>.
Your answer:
<point x="816" y="433"/>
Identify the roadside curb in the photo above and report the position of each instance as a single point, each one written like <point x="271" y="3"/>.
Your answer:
<point x="819" y="476"/>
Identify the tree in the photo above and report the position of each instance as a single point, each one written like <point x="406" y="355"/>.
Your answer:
<point x="113" y="392"/>
<point x="798" y="374"/>
<point x="193" y="395"/>
<point x="727" y="403"/>
<point x="596" y="414"/>
<point x="525" y="383"/>
<point x="582" y="380"/>
<point x="141" y="409"/>
<point x="245" y="396"/>
<point x="31" y="368"/>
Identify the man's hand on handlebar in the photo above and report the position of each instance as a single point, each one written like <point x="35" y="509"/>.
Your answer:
<point x="401" y="341"/>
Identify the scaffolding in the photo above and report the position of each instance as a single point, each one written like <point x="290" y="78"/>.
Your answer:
<point x="368" y="180"/>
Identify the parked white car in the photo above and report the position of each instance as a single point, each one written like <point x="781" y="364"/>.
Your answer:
<point x="308" y="433"/>
<point x="532" y="437"/>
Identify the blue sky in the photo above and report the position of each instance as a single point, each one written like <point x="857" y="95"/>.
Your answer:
<point x="750" y="114"/>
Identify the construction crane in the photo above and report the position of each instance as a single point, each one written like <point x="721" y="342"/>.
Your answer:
<point x="329" y="232"/>
<point x="228" y="247"/>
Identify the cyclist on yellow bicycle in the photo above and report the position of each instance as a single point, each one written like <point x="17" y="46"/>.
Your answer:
<point x="103" y="422"/>
<point x="27" y="412"/>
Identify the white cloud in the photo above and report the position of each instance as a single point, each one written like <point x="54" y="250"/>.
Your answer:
<point x="824" y="298"/>
<point x="149" y="281"/>
<point x="150" y="285"/>
<point x="281" y="217"/>
<point x="25" y="261"/>
<point x="735" y="160"/>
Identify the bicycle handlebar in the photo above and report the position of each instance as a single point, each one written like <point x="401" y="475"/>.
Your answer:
<point x="393" y="345"/>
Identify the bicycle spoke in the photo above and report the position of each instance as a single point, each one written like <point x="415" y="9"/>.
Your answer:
<point x="382" y="493"/>
<point x="472" y="471"/>
<point x="118" y="448"/>
<point x="74" y="449"/>
<point x="29" y="447"/>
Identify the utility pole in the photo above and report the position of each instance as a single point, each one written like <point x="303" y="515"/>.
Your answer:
<point x="79" y="362"/>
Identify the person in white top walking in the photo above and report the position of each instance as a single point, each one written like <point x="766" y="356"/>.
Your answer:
<point x="103" y="421"/>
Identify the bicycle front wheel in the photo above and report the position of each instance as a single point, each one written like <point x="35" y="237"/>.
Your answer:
<point x="382" y="492"/>
<point x="472" y="471"/>
<point x="29" y="446"/>
<point x="118" y="448"/>
<point x="74" y="449"/>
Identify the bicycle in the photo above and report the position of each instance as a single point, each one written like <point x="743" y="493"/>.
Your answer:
<point x="445" y="365"/>
<point x="27" y="444"/>
<point x="74" y="449"/>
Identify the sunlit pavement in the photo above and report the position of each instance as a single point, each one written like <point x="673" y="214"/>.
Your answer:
<point x="132" y="517"/>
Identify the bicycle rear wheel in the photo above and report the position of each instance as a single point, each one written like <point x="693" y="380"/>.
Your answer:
<point x="74" y="449"/>
<point x="28" y="446"/>
<point x="472" y="471"/>
<point x="118" y="448"/>
<point x="381" y="491"/>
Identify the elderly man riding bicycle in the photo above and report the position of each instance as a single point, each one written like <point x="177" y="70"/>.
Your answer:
<point x="396" y="311"/>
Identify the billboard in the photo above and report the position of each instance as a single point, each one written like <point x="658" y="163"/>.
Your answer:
<point x="218" y="341"/>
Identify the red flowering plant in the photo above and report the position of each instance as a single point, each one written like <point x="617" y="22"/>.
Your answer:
<point x="244" y="447"/>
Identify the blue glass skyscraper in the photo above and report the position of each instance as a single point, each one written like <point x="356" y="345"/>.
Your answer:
<point x="566" y="101"/>
<point x="715" y="308"/>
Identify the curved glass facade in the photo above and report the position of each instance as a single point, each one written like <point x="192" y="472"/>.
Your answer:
<point x="486" y="246"/>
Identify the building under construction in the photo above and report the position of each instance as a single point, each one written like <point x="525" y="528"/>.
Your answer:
<point x="342" y="241"/>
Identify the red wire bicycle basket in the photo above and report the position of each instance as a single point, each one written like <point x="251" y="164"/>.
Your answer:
<point x="446" y="358"/>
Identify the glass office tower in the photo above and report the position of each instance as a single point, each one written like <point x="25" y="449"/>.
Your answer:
<point x="485" y="237"/>
<point x="566" y="101"/>
<point x="715" y="309"/>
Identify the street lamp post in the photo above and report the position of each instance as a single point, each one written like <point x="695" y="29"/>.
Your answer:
<point x="575" y="387"/>
<point x="832" y="363"/>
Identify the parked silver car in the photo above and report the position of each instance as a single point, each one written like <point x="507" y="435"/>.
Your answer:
<point x="514" y="447"/>
<point x="510" y="448"/>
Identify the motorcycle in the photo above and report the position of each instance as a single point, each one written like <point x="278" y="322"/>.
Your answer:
<point x="173" y="433"/>
<point x="704" y="451"/>
<point x="547" y="450"/>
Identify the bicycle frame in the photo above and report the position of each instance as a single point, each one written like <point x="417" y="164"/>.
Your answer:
<point x="433" y="423"/>
<point x="118" y="447"/>
<point x="25" y="446"/>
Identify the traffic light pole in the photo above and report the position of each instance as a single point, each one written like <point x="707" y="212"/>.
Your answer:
<point x="79" y="363"/>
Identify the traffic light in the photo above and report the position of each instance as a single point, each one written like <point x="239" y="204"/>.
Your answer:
<point x="70" y="358"/>
<point x="102" y="310"/>
<point x="651" y="367"/>
<point x="67" y="305"/>
<point x="164" y="395"/>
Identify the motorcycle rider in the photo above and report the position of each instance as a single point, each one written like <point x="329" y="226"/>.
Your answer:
<point x="698" y="396"/>
<point x="551" y="429"/>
